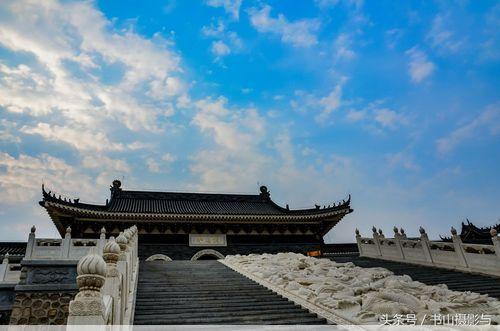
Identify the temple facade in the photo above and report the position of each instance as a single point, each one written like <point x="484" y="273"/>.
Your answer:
<point x="184" y="226"/>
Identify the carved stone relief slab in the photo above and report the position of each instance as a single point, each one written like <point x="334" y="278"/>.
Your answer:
<point x="51" y="275"/>
<point x="345" y="292"/>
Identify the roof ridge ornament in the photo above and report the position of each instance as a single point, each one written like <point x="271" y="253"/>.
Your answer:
<point x="264" y="192"/>
<point x="115" y="188"/>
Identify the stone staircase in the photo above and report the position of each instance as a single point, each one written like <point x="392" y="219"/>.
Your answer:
<point x="207" y="292"/>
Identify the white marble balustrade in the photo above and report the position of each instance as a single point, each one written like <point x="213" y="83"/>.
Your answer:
<point x="484" y="259"/>
<point x="62" y="249"/>
<point x="107" y="282"/>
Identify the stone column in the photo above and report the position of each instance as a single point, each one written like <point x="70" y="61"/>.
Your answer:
<point x="66" y="244"/>
<point x="88" y="306"/>
<point x="397" y="240"/>
<point x="30" y="246"/>
<point x="496" y="242"/>
<point x="459" y="250"/>
<point x="424" y="239"/>
<point x="112" y="286"/>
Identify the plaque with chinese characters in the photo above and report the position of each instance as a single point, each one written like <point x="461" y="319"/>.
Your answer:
<point x="207" y="240"/>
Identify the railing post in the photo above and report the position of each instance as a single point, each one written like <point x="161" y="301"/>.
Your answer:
<point x="403" y="234"/>
<point x="459" y="250"/>
<point x="4" y="267"/>
<point x="66" y="244"/>
<point x="424" y="239"/>
<point x="397" y="240"/>
<point x="358" y="241"/>
<point x="496" y="242"/>
<point x="112" y="285"/>
<point x="376" y="240"/>
<point x="102" y="241"/>
<point x="121" y="240"/>
<point x="30" y="246"/>
<point x="88" y="306"/>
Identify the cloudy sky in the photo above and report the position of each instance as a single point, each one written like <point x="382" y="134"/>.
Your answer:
<point x="394" y="102"/>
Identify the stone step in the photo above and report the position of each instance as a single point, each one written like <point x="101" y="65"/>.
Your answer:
<point x="220" y="312"/>
<point x="214" y="307"/>
<point x="207" y="292"/>
<point x="251" y="299"/>
<point x="233" y="320"/>
<point x="226" y="291"/>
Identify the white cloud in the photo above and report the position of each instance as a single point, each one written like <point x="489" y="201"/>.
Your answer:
<point x="152" y="165"/>
<point x="355" y="115"/>
<point x="419" y="67"/>
<point x="231" y="7"/>
<point x="231" y="129"/>
<point x="402" y="159"/>
<point x="442" y="37"/>
<point x="7" y="129"/>
<point x="105" y="164"/>
<point x="169" y="158"/>
<point x="300" y="33"/>
<point x="331" y="3"/>
<point x="70" y="49"/>
<point x="343" y="48"/>
<point x="77" y="137"/>
<point x="332" y="101"/>
<point x="388" y="118"/>
<point x="225" y="43"/>
<point x="219" y="49"/>
<point x="21" y="177"/>
<point x="214" y="31"/>
<point x="486" y="123"/>
<point x="163" y="164"/>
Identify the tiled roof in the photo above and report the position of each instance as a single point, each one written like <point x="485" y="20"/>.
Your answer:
<point x="13" y="248"/>
<point x="145" y="202"/>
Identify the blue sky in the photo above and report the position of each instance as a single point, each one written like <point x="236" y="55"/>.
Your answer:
<point x="394" y="102"/>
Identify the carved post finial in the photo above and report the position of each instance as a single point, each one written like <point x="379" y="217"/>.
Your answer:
<point x="111" y="252"/>
<point x="103" y="230"/>
<point x="453" y="231"/>
<point x="6" y="258"/>
<point x="91" y="270"/>
<point x="122" y="241"/>
<point x="128" y="234"/>
<point x="493" y="232"/>
<point x="68" y="232"/>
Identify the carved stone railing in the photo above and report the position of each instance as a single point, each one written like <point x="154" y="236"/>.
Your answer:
<point x="9" y="272"/>
<point x="475" y="258"/>
<point x="107" y="282"/>
<point x="62" y="249"/>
